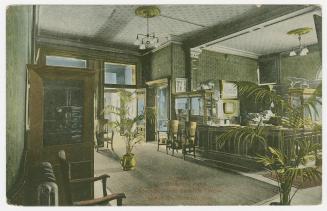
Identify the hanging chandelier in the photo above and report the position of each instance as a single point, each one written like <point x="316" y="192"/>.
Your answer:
<point x="301" y="50"/>
<point x="148" y="40"/>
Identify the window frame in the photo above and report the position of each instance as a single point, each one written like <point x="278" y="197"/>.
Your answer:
<point x="127" y="86"/>
<point x="68" y="57"/>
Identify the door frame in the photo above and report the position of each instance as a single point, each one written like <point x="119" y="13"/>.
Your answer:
<point x="79" y="154"/>
<point x="154" y="84"/>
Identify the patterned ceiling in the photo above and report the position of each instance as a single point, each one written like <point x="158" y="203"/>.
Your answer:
<point x="117" y="25"/>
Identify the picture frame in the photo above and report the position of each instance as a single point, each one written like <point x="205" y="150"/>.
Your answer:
<point x="228" y="90"/>
<point x="180" y="85"/>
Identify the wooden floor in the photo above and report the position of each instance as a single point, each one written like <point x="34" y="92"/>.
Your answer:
<point x="161" y="179"/>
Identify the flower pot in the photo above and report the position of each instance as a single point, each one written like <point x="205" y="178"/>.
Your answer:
<point x="128" y="162"/>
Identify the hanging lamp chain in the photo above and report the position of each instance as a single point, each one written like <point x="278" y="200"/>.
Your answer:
<point x="300" y="43"/>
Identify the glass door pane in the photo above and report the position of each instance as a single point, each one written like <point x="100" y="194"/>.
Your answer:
<point x="63" y="112"/>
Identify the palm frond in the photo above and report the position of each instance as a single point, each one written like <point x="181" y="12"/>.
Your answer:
<point x="277" y="155"/>
<point x="246" y="134"/>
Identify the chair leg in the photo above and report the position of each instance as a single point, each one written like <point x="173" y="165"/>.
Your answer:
<point x="112" y="145"/>
<point x="184" y="152"/>
<point x="119" y="202"/>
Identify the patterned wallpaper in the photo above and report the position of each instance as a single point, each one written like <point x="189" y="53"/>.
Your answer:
<point x="161" y="63"/>
<point x="168" y="62"/>
<point x="217" y="66"/>
<point x="178" y="64"/>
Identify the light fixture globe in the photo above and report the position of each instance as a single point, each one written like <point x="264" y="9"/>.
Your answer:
<point x="293" y="53"/>
<point x="137" y="42"/>
<point x="142" y="46"/>
<point x="304" y="52"/>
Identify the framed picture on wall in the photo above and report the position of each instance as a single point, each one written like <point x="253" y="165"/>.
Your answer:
<point x="180" y="85"/>
<point x="228" y="90"/>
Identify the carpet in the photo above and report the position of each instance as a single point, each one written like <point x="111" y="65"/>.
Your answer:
<point x="161" y="179"/>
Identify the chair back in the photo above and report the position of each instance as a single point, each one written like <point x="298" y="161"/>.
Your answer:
<point x="191" y="129"/>
<point x="65" y="176"/>
<point x="173" y="126"/>
<point x="103" y="129"/>
<point x="162" y="136"/>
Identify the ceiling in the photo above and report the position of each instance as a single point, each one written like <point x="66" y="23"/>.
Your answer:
<point x="269" y="39"/>
<point x="117" y="25"/>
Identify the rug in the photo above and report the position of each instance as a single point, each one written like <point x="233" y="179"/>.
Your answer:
<point x="163" y="179"/>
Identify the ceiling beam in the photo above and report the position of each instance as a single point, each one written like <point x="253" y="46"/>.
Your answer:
<point x="263" y="14"/>
<point x="44" y="40"/>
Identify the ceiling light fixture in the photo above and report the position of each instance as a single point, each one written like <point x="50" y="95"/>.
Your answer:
<point x="148" y="40"/>
<point x="301" y="50"/>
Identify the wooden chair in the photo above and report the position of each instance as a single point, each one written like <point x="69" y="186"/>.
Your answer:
<point x="67" y="182"/>
<point x="104" y="134"/>
<point x="189" y="145"/>
<point x="174" y="138"/>
<point x="162" y="138"/>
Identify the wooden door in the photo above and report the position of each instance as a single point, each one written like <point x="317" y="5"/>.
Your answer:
<point x="60" y="109"/>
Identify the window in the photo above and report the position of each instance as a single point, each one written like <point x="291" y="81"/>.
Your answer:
<point x="65" y="62"/>
<point x="119" y="74"/>
<point x="63" y="112"/>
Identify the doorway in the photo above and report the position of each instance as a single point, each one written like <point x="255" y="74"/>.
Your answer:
<point x="136" y="105"/>
<point x="158" y="97"/>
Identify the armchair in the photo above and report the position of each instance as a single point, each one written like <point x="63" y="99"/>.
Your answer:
<point x="67" y="182"/>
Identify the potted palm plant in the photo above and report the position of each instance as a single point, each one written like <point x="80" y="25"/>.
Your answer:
<point x="126" y="125"/>
<point x="285" y="166"/>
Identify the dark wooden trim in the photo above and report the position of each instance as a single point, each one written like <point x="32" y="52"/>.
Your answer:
<point x="188" y="67"/>
<point x="120" y="86"/>
<point x="318" y="24"/>
<point x="49" y="39"/>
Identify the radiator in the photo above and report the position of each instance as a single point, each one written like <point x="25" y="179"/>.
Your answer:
<point x="47" y="190"/>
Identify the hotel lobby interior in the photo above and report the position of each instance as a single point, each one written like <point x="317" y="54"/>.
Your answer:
<point x="164" y="105"/>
